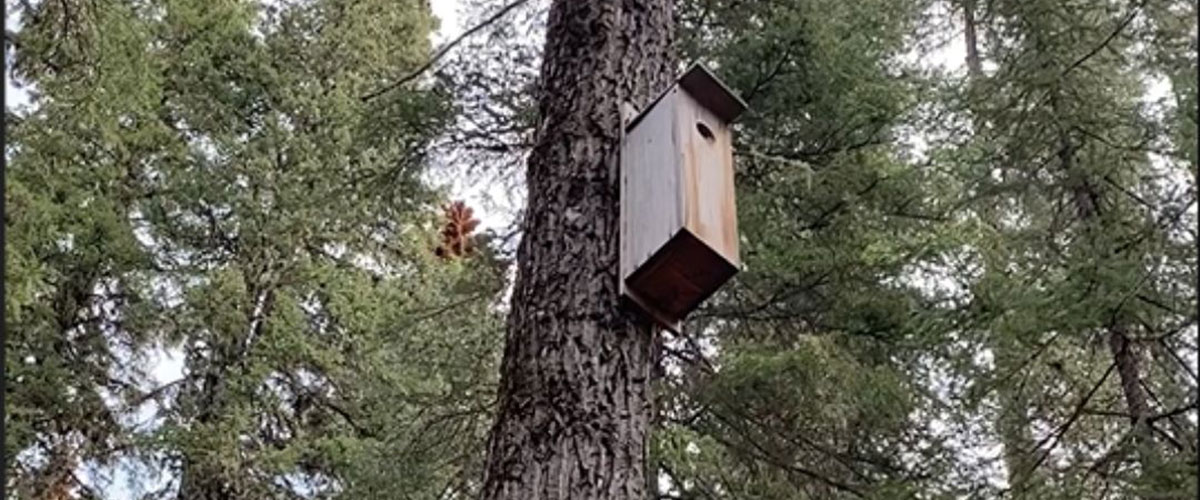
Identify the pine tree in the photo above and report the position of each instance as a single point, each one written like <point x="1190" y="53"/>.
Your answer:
<point x="1082" y="250"/>
<point x="805" y="378"/>
<point x="211" y="180"/>
<point x="974" y="283"/>
<point x="78" y="304"/>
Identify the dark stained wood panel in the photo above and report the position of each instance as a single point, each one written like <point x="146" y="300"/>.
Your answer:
<point x="680" y="276"/>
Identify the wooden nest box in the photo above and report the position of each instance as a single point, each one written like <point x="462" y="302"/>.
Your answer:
<point x="679" y="239"/>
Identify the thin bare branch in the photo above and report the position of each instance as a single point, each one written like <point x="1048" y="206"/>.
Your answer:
<point x="443" y="51"/>
<point x="1079" y="407"/>
<point x="1133" y="12"/>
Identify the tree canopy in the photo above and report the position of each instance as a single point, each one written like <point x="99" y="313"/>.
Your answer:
<point x="968" y="234"/>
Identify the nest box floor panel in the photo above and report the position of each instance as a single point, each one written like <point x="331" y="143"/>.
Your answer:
<point x="679" y="276"/>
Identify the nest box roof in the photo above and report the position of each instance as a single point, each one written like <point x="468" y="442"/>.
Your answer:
<point x="707" y="89"/>
<point x="712" y="93"/>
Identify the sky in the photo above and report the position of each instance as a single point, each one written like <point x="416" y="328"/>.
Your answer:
<point x="14" y="97"/>
<point x="447" y="12"/>
<point x="492" y="204"/>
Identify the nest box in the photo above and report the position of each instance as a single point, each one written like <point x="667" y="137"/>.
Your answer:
<point x="679" y="239"/>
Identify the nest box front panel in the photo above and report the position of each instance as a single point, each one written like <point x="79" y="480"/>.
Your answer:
<point x="706" y="150"/>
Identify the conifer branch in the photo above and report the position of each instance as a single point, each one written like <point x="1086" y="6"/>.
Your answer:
<point x="802" y="165"/>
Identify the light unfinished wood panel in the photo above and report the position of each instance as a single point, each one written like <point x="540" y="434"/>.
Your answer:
<point x="706" y="148"/>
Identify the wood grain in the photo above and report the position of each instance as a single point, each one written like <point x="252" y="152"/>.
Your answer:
<point x="678" y="214"/>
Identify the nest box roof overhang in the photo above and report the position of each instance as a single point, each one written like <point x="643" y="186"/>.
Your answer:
<point x="708" y="90"/>
<point x="711" y="92"/>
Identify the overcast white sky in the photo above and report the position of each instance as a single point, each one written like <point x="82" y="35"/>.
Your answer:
<point x="447" y="12"/>
<point x="489" y="200"/>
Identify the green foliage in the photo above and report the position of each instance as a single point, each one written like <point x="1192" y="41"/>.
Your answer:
<point x="1081" y="220"/>
<point x="814" y="394"/>
<point x="935" y="263"/>
<point x="210" y="181"/>
<point x="960" y="274"/>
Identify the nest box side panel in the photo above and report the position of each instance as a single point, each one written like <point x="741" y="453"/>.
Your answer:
<point x="651" y="202"/>
<point x="710" y="211"/>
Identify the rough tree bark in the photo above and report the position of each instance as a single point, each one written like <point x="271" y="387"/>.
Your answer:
<point x="574" y="405"/>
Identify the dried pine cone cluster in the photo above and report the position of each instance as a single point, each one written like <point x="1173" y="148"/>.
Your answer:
<point x="456" y="234"/>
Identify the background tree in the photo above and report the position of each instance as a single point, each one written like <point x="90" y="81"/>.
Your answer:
<point x="1083" y="253"/>
<point x="816" y="386"/>
<point x="250" y="210"/>
<point x="968" y="237"/>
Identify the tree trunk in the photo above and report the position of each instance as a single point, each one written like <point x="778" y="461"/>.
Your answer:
<point x="1085" y="196"/>
<point x="1129" y="370"/>
<point x="574" y="401"/>
<point x="974" y="65"/>
<point x="1012" y="423"/>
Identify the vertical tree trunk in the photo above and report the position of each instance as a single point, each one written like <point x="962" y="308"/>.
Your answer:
<point x="574" y="405"/>
<point x="974" y="64"/>
<point x="1129" y="370"/>
<point x="1085" y="196"/>
<point x="1012" y="423"/>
